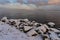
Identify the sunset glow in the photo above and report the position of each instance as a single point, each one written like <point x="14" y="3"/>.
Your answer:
<point x="53" y="1"/>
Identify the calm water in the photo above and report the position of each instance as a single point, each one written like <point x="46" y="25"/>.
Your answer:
<point x="37" y="15"/>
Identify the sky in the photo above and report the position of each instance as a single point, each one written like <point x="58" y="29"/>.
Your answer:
<point x="29" y="4"/>
<point x="24" y="1"/>
<point x="8" y="1"/>
<point x="54" y="1"/>
<point x="31" y="1"/>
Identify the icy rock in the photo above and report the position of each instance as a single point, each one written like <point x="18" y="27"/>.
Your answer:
<point x="46" y="37"/>
<point x="26" y="28"/>
<point x="26" y="20"/>
<point x="32" y="33"/>
<point x="36" y="24"/>
<point x="54" y="30"/>
<point x="12" y="22"/>
<point x="47" y="27"/>
<point x="51" y="24"/>
<point x="23" y="20"/>
<point x="17" y="24"/>
<point x="59" y="35"/>
<point x="4" y="19"/>
<point x="42" y="28"/>
<point x="33" y="22"/>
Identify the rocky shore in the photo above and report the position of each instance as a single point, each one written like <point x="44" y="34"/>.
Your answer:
<point x="33" y="28"/>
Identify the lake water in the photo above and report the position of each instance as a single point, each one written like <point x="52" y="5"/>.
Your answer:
<point x="41" y="16"/>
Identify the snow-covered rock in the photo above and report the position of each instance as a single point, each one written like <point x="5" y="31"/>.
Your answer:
<point x="4" y="19"/>
<point x="51" y="24"/>
<point x="26" y="28"/>
<point x="36" y="24"/>
<point x="55" y="30"/>
<point x="59" y="35"/>
<point x="12" y="22"/>
<point x="26" y="20"/>
<point x="42" y="28"/>
<point x="23" y="20"/>
<point x="32" y="33"/>
<point x="11" y="33"/>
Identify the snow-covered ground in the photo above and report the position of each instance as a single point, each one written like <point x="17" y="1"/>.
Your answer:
<point x="8" y="30"/>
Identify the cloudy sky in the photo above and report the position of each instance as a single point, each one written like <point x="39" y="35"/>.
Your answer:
<point x="29" y="4"/>
<point x="31" y="1"/>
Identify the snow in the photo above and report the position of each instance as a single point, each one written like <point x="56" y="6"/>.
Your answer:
<point x="54" y="36"/>
<point x="38" y="37"/>
<point x="10" y="32"/>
